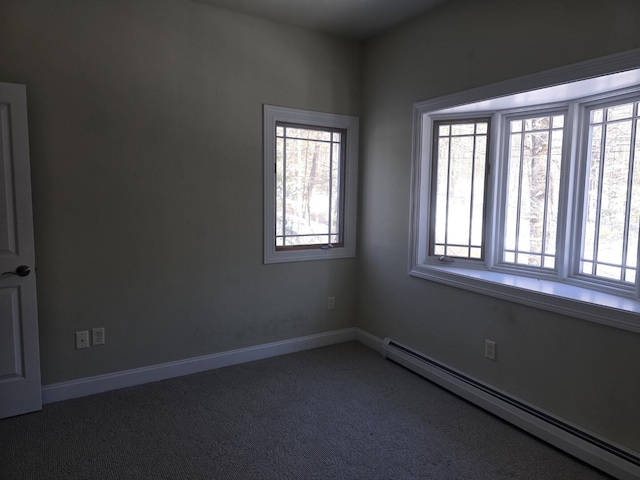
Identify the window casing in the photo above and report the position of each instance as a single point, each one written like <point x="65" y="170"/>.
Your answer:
<point x="310" y="174"/>
<point x="544" y="239"/>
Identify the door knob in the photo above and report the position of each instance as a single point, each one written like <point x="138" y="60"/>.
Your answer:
<point x="21" y="271"/>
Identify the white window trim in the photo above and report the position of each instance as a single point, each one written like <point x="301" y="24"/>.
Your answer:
<point x="272" y="115"/>
<point x="566" y="298"/>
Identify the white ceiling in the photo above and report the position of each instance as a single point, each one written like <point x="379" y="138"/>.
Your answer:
<point x="359" y="19"/>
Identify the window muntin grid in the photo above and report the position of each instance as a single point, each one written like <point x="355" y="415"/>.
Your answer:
<point x="458" y="188"/>
<point x="309" y="196"/>
<point x="611" y="221"/>
<point x="534" y="163"/>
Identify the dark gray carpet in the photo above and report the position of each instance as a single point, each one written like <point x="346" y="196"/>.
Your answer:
<point x="335" y="412"/>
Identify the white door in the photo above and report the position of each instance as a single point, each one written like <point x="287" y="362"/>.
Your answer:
<point x="20" y="389"/>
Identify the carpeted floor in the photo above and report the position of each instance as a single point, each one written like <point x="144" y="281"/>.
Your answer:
<point x="338" y="412"/>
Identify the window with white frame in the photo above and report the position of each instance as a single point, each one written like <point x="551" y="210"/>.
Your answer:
<point x="534" y="196"/>
<point x="310" y="171"/>
<point x="458" y="188"/>
<point x="609" y="247"/>
<point x="533" y="159"/>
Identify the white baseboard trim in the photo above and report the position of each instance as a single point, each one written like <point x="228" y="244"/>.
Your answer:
<point x="433" y="370"/>
<point x="598" y="451"/>
<point x="369" y="340"/>
<point x="138" y="376"/>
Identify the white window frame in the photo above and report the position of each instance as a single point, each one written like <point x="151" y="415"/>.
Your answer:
<point x="273" y="115"/>
<point x="614" y="287"/>
<point x="498" y="182"/>
<point x="560" y="290"/>
<point x="432" y="234"/>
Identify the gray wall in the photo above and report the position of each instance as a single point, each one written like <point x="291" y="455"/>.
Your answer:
<point x="146" y="148"/>
<point x="582" y="371"/>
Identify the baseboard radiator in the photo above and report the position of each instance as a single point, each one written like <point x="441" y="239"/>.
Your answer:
<point x="588" y="447"/>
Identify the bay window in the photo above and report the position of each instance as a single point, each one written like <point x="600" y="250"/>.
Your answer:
<point x="533" y="196"/>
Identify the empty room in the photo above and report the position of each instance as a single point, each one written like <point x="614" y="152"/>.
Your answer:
<point x="319" y="239"/>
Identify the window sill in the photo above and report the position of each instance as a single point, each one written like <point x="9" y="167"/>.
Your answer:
<point x="604" y="308"/>
<point x="271" y="255"/>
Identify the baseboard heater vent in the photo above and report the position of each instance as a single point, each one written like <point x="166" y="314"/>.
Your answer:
<point x="588" y="447"/>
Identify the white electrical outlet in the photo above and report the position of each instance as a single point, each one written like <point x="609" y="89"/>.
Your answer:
<point x="331" y="304"/>
<point x="490" y="349"/>
<point x="82" y="339"/>
<point x="97" y="336"/>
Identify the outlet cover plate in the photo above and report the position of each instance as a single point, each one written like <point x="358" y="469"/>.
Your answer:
<point x="97" y="336"/>
<point x="82" y="339"/>
<point x="490" y="349"/>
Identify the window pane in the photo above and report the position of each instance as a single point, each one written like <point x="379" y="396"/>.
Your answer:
<point x="463" y="129"/>
<point x="528" y="259"/>
<point x="279" y="186"/>
<point x="630" y="275"/>
<point x="513" y="187"/>
<point x="586" y="268"/>
<point x="308" y="134"/>
<point x="619" y="112"/>
<point x="459" y="189"/>
<point x="613" y="192"/>
<point x="335" y="189"/>
<point x="442" y="191"/>
<point x="593" y="193"/>
<point x="477" y="208"/>
<point x="634" y="210"/>
<point x="297" y="157"/>
<point x="460" y="185"/>
<point x="291" y="241"/>
<point x="457" y="251"/>
<point x="607" y="271"/>
<point x="553" y="191"/>
<point x="533" y="124"/>
<point x="596" y="116"/>
<point x="532" y="194"/>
